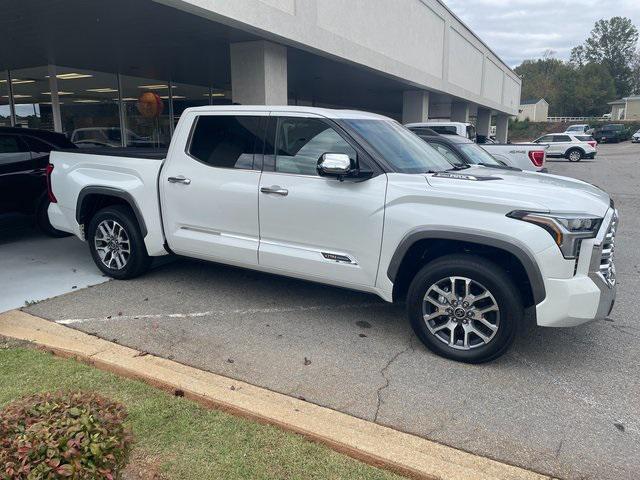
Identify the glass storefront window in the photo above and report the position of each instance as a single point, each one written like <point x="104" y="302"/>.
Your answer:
<point x="185" y="96"/>
<point x="146" y="112"/>
<point x="89" y="108"/>
<point x="5" y="109"/>
<point x="32" y="98"/>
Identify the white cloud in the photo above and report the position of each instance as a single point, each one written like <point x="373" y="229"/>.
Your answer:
<point x="523" y="29"/>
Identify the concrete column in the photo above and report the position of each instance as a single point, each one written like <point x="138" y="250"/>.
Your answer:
<point x="259" y="73"/>
<point x="502" y="128"/>
<point x="483" y="122"/>
<point x="460" y="112"/>
<point x="55" y="99"/>
<point x="415" y="106"/>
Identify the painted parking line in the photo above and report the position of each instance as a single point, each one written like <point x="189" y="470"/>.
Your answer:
<point x="209" y="313"/>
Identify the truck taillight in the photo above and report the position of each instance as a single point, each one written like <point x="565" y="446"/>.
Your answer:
<point x="537" y="157"/>
<point x="52" y="197"/>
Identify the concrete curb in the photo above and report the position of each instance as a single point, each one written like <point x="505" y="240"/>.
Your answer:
<point x="369" y="442"/>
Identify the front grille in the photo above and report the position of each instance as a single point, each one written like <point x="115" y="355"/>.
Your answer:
<point x="607" y="269"/>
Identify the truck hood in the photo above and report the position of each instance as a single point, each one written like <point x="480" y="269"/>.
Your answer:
<point x="524" y="190"/>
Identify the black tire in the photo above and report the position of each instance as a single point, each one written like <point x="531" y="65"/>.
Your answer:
<point x="479" y="270"/>
<point x="138" y="261"/>
<point x="578" y="152"/>
<point x="42" y="220"/>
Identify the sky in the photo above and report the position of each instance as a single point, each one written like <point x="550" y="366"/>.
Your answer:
<point x="518" y="30"/>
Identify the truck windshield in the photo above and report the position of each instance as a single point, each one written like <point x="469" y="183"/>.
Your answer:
<point x="399" y="147"/>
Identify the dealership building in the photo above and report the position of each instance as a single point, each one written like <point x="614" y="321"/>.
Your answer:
<point x="120" y="73"/>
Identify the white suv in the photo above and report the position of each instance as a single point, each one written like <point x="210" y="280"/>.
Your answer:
<point x="565" y="145"/>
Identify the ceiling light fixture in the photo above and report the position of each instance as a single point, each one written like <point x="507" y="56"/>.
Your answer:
<point x="102" y="90"/>
<point x="73" y="76"/>
<point x="158" y="86"/>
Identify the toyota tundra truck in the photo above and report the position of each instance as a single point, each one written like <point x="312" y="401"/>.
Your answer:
<point x="355" y="200"/>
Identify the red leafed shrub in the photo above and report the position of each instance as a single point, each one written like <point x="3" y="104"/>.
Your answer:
<point x="72" y="435"/>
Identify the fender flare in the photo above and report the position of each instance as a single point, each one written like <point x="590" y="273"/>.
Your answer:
<point x="111" y="192"/>
<point x="512" y="246"/>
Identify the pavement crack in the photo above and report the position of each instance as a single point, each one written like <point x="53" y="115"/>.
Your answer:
<point x="383" y="372"/>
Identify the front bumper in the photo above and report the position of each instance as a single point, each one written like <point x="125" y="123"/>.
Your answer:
<point x="590" y="294"/>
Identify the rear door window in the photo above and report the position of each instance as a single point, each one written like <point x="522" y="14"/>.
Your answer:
<point x="227" y="141"/>
<point x="561" y="138"/>
<point x="13" y="154"/>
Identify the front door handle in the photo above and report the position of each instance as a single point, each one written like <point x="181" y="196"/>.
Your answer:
<point x="275" y="190"/>
<point x="180" y="179"/>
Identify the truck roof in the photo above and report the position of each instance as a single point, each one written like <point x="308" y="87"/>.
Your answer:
<point x="324" y="112"/>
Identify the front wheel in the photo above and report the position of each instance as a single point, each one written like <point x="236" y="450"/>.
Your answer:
<point x="116" y="244"/>
<point x="464" y="308"/>
<point x="574" y="155"/>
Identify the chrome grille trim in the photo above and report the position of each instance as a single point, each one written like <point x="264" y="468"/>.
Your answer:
<point x="607" y="268"/>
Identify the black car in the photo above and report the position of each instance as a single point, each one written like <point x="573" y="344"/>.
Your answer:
<point x="24" y="156"/>
<point x="615" y="132"/>
<point x="459" y="150"/>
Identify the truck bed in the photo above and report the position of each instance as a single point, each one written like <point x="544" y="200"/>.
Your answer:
<point x="125" y="152"/>
<point x="130" y="173"/>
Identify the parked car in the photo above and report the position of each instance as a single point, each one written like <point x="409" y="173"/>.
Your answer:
<point x="563" y="145"/>
<point x="447" y="128"/>
<point x="461" y="151"/>
<point x="24" y="157"/>
<point x="578" y="129"/>
<point x="636" y="137"/>
<point x="308" y="192"/>
<point x="615" y="132"/>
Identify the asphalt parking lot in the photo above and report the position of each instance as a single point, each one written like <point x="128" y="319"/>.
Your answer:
<point x="562" y="402"/>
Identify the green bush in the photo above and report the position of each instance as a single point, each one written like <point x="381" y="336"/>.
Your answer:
<point x="73" y="435"/>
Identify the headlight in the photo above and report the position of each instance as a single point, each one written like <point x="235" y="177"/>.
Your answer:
<point x="567" y="230"/>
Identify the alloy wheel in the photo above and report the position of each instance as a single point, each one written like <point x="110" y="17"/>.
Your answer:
<point x="461" y="313"/>
<point x="112" y="244"/>
<point x="575" y="156"/>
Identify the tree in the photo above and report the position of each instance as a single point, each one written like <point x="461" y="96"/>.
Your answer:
<point x="635" y="74"/>
<point x="595" y="88"/>
<point x="578" y="56"/>
<point x="613" y="43"/>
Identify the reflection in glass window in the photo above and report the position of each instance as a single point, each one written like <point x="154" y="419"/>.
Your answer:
<point x="186" y="96"/>
<point x="146" y="111"/>
<point x="89" y="107"/>
<point x="32" y="98"/>
<point x="5" y="109"/>
<point x="226" y="141"/>
<point x="302" y="141"/>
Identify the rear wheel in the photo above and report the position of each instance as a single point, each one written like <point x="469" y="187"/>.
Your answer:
<point x="464" y="308"/>
<point x="116" y="243"/>
<point x="575" y="155"/>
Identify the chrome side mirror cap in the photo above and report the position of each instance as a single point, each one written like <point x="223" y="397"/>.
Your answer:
<point x="334" y="164"/>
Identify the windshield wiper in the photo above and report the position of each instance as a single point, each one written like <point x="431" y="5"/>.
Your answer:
<point x="458" y="167"/>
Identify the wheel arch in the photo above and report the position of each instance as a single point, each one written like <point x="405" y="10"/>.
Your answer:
<point x="580" y="149"/>
<point x="420" y="246"/>
<point x="94" y="198"/>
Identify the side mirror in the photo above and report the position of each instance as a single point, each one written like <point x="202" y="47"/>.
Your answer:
<point x="334" y="165"/>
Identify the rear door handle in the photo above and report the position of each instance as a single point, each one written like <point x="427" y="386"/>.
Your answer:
<point x="275" y="190"/>
<point x="180" y="179"/>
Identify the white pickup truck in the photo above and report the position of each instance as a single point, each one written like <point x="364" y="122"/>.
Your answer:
<point x="531" y="156"/>
<point x="355" y="200"/>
